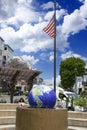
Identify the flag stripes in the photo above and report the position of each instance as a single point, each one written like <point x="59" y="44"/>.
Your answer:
<point x="50" y="28"/>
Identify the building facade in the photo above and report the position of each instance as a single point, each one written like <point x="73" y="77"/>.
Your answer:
<point x="85" y="79"/>
<point x="6" y="52"/>
<point x="81" y="83"/>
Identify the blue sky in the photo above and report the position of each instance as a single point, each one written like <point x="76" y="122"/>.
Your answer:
<point x="21" y="24"/>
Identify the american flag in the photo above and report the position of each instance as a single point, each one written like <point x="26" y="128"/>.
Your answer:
<point x="50" y="28"/>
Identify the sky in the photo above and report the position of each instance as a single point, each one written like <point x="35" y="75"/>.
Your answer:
<point x="22" y="23"/>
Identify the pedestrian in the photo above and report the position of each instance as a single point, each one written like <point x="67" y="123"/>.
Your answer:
<point x="21" y="102"/>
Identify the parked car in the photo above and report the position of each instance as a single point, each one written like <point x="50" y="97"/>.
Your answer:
<point x="66" y="99"/>
<point x="72" y="97"/>
<point x="18" y="92"/>
<point x="71" y="94"/>
<point x="16" y="100"/>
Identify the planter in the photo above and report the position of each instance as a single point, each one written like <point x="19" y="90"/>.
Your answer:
<point x="41" y="119"/>
<point x="81" y="104"/>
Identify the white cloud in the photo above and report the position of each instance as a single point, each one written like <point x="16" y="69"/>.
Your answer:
<point x="24" y="1"/>
<point x="30" y="59"/>
<point x="43" y="56"/>
<point x="48" y="5"/>
<point x="82" y="1"/>
<point x="19" y="32"/>
<point x="25" y="14"/>
<point x="50" y="82"/>
<point x="28" y="38"/>
<point x="6" y="8"/>
<point x="47" y="56"/>
<point x="59" y="14"/>
<point x="23" y="30"/>
<point x="9" y="36"/>
<point x="18" y="11"/>
<point x="51" y="57"/>
<point x="76" y="21"/>
<point x="57" y="80"/>
<point x="71" y="54"/>
<point x="32" y="39"/>
<point x="61" y="39"/>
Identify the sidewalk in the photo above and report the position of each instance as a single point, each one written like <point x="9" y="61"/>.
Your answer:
<point x="12" y="127"/>
<point x="7" y="127"/>
<point x="76" y="128"/>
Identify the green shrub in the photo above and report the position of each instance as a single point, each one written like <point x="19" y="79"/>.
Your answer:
<point x="26" y="93"/>
<point x="81" y="101"/>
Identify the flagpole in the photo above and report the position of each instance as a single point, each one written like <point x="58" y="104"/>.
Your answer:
<point x="55" y="47"/>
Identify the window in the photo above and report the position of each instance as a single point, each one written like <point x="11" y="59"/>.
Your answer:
<point x="4" y="61"/>
<point x="4" y="58"/>
<point x="5" y="48"/>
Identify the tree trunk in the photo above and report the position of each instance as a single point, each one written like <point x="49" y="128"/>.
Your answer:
<point x="12" y="93"/>
<point x="11" y="97"/>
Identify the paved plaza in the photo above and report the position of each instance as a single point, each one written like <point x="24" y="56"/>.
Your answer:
<point x="76" y="128"/>
<point x="12" y="126"/>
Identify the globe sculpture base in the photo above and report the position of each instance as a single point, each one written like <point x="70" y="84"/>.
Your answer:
<point x="41" y="119"/>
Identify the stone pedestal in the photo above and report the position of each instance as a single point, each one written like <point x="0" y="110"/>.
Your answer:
<point x="41" y="119"/>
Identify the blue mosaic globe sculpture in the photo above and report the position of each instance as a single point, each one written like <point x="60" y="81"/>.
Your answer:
<point x="42" y="96"/>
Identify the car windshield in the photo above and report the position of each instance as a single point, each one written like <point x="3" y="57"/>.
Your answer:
<point x="72" y="95"/>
